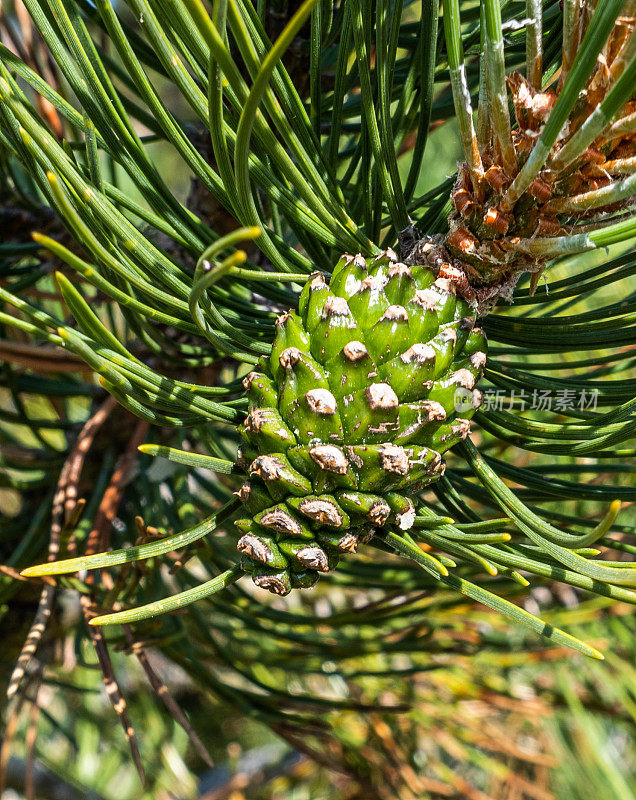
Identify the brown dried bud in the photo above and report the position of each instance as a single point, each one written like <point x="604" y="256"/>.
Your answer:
<point x="496" y="177"/>
<point x="425" y="298"/>
<point x="449" y="335"/>
<point x="464" y="203"/>
<point x="593" y="155"/>
<point x="330" y="458"/>
<point x="548" y="227"/>
<point x="388" y="253"/>
<point x="313" y="557"/>
<point x="461" y="427"/>
<point x="444" y="284"/>
<point x="321" y="401"/>
<point x="318" y="281"/>
<point x="497" y="220"/>
<point x="247" y="380"/>
<point x="273" y="583"/>
<point x="348" y="543"/>
<point x="289" y="357"/>
<point x="435" y="411"/>
<point x="381" y="397"/>
<point x="281" y="319"/>
<point x="540" y="189"/>
<point x="335" y="307"/>
<point x="399" y="270"/>
<point x="269" y="468"/>
<point x="354" y="351"/>
<point x="244" y="492"/>
<point x="395" y="314"/>
<point x="255" y="419"/>
<point x="478" y="360"/>
<point x="463" y="240"/>
<point x="280" y="521"/>
<point x="455" y="277"/>
<point x="463" y="378"/>
<point x="437" y="465"/>
<point x="418" y="353"/>
<point x="322" y="511"/>
<point x="254" y="548"/>
<point x="393" y="458"/>
<point x="373" y="283"/>
<point x="379" y="512"/>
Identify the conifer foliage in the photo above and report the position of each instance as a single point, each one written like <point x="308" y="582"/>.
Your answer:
<point x="261" y="379"/>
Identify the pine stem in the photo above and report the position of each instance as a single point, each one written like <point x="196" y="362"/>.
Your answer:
<point x="622" y="126"/>
<point x="498" y="94"/>
<point x="625" y="57"/>
<point x="381" y="145"/>
<point x="553" y="247"/>
<point x="621" y="166"/>
<point x="484" y="117"/>
<point x="534" y="43"/>
<point x="430" y="10"/>
<point x="571" y="14"/>
<point x="461" y="95"/>
<point x="613" y="193"/>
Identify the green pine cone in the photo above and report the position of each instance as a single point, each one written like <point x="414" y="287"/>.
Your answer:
<point x="350" y="415"/>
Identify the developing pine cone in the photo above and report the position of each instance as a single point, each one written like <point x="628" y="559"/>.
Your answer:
<point x="350" y="415"/>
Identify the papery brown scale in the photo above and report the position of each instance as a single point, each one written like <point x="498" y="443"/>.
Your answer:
<point x="497" y="179"/>
<point x="497" y="220"/>
<point x="464" y="203"/>
<point x="462" y="239"/>
<point x="593" y="155"/>
<point x="540" y="189"/>
<point x="548" y="227"/>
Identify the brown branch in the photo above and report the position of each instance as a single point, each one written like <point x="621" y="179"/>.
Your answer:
<point x="171" y="704"/>
<point x="110" y="683"/>
<point x="98" y="540"/>
<point x="40" y="358"/>
<point x="5" y="569"/>
<point x="63" y="504"/>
